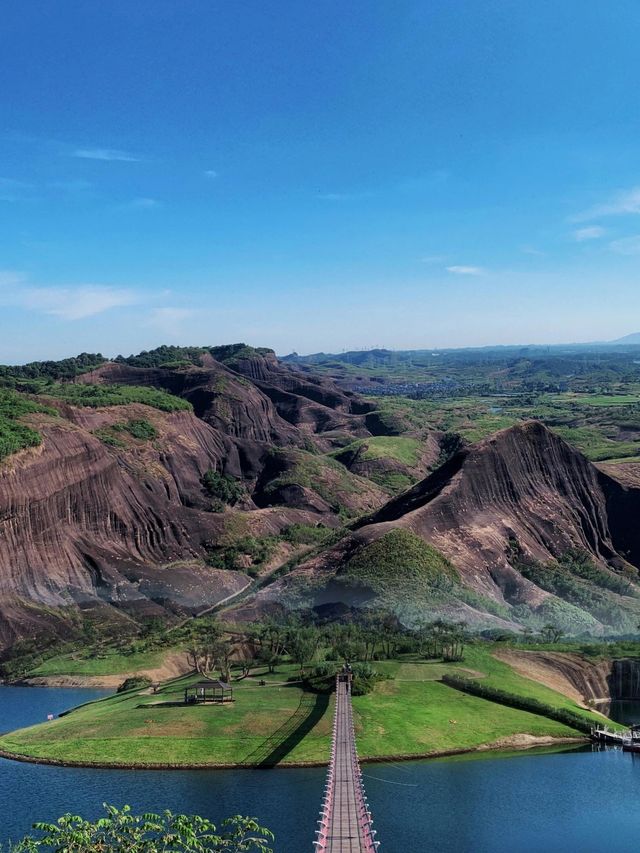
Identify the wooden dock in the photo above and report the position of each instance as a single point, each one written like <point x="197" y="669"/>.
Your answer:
<point x="345" y="820"/>
<point x="616" y="737"/>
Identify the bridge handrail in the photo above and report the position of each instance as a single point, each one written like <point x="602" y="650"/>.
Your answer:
<point x="365" y="822"/>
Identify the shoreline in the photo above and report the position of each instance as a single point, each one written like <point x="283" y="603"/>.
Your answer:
<point x="519" y="743"/>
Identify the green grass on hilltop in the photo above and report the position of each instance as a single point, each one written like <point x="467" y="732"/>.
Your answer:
<point x="398" y="560"/>
<point x="403" y="449"/>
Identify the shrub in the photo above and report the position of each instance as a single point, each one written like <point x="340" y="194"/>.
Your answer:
<point x="139" y="428"/>
<point x="107" y="437"/>
<point x="136" y="681"/>
<point x="222" y="487"/>
<point x="15" y="436"/>
<point x="258" y="549"/>
<point x="322" y="678"/>
<point x="96" y="396"/>
<point x="307" y="534"/>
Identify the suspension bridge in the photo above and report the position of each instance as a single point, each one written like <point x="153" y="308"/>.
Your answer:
<point x="345" y="824"/>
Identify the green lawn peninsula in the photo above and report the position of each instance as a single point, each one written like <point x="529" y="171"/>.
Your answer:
<point x="410" y="712"/>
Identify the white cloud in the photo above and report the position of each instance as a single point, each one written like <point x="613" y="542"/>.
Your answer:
<point x="210" y="173"/>
<point x="76" y="303"/>
<point x="72" y="302"/>
<point x="626" y="245"/>
<point x="144" y="203"/>
<point x="623" y="202"/>
<point x="531" y="250"/>
<point x="593" y="232"/>
<point x="465" y="270"/>
<point x="107" y="154"/>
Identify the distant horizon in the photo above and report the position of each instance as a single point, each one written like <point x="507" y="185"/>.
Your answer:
<point x="110" y="356"/>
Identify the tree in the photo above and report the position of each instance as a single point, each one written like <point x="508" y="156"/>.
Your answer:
<point x="347" y="642"/>
<point x="302" y="644"/>
<point x="551" y="634"/>
<point x="453" y="642"/>
<point x="123" y="832"/>
<point x="209" y="651"/>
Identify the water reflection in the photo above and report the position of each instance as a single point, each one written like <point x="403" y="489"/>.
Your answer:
<point x="552" y="802"/>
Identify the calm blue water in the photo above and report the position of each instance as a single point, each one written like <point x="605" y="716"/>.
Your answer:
<point x="553" y="803"/>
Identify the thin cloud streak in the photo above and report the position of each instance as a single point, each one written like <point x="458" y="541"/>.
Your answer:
<point x="624" y="202"/>
<point x="144" y="203"/>
<point x="76" y="303"/>
<point x="458" y="269"/>
<point x="72" y="302"/>
<point x="593" y="232"/>
<point x="626" y="245"/>
<point x="106" y="154"/>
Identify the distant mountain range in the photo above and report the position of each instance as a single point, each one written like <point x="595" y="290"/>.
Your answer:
<point x="163" y="484"/>
<point x="632" y="340"/>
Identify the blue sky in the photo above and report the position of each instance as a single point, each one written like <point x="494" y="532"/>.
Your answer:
<point x="317" y="176"/>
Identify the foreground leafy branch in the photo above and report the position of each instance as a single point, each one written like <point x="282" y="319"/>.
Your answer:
<point x="122" y="831"/>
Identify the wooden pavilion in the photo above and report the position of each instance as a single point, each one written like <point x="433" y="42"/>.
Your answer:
<point x="208" y="691"/>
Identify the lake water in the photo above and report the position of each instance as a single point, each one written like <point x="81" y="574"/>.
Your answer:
<point x="578" y="800"/>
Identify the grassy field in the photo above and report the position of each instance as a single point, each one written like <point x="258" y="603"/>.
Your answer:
<point x="108" y="663"/>
<point x="412" y="713"/>
<point x="399" y="448"/>
<point x="603" y="427"/>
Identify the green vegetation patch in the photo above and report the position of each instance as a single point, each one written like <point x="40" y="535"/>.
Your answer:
<point x="99" y="662"/>
<point x="66" y="368"/>
<point x="139" y="428"/>
<point x="249" y="553"/>
<point x="512" y="700"/>
<point x="106" y="436"/>
<point x="97" y="396"/>
<point x="402" y="449"/>
<point x="400" y="717"/>
<point x="14" y="435"/>
<point x="328" y="478"/>
<point x="398" y="560"/>
<point x="308" y="534"/>
<point x="497" y="674"/>
<point x="587" y="592"/>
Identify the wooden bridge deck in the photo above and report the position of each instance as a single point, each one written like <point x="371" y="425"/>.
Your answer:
<point x="345" y="824"/>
